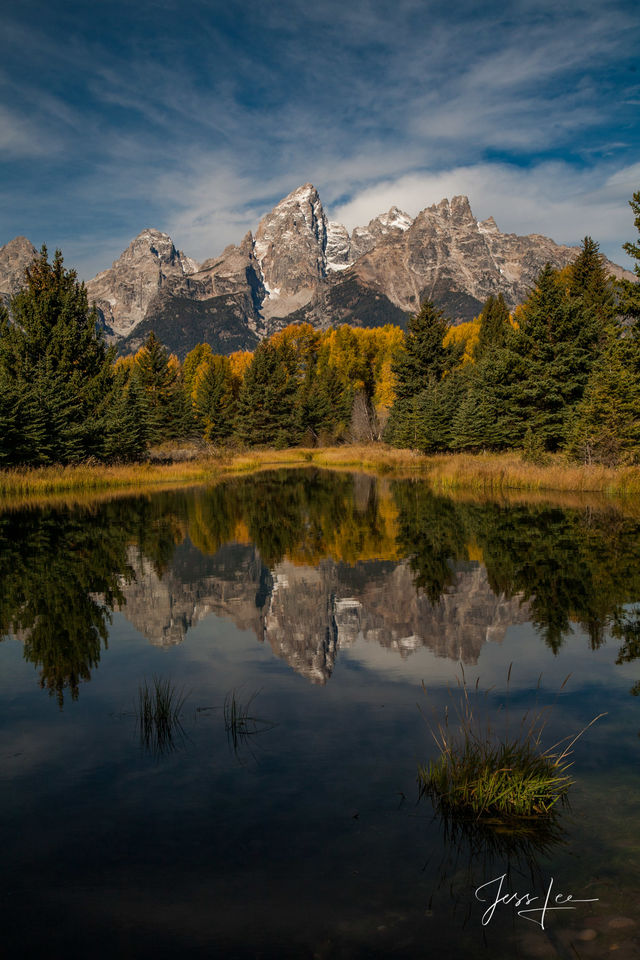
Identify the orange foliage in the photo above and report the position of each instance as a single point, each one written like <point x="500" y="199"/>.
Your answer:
<point x="240" y="362"/>
<point x="467" y="334"/>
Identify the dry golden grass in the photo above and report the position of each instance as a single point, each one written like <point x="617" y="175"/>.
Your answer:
<point x="482" y="474"/>
<point x="87" y="477"/>
<point x="496" y="473"/>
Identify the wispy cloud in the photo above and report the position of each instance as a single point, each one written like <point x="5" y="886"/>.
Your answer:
<point x="551" y="199"/>
<point x="198" y="123"/>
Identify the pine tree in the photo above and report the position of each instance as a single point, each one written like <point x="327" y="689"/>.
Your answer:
<point x="126" y="435"/>
<point x="630" y="292"/>
<point x="426" y="357"/>
<point x="494" y="327"/>
<point x="554" y="351"/>
<point x="266" y="412"/>
<point x="60" y="369"/>
<point x="418" y="370"/>
<point x="159" y="377"/>
<point x="606" y="425"/>
<point x="213" y="398"/>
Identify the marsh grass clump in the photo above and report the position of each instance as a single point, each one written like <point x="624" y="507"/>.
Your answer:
<point x="239" y="723"/>
<point x="159" y="708"/>
<point x="502" y="775"/>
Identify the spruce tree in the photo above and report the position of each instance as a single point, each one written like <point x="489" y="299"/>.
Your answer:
<point x="606" y="425"/>
<point x="494" y="327"/>
<point x="418" y="370"/>
<point x="213" y="399"/>
<point x="127" y="435"/>
<point x="266" y="413"/>
<point x="630" y="292"/>
<point x="554" y="351"/>
<point x="60" y="369"/>
<point x="425" y="357"/>
<point x="159" y="376"/>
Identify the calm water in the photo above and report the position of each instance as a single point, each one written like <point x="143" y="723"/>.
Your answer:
<point x="328" y="601"/>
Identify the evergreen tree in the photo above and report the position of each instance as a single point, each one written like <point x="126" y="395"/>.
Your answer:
<point x="554" y="350"/>
<point x="435" y="410"/>
<point x="213" y="398"/>
<point x="266" y="411"/>
<point x="494" y="327"/>
<point x="167" y="408"/>
<point x="606" y="425"/>
<point x="418" y="371"/>
<point x="127" y="435"/>
<point x="55" y="359"/>
<point x="426" y="357"/>
<point x="630" y="292"/>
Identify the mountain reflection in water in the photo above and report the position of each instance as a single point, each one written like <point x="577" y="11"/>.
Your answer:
<point x="310" y="561"/>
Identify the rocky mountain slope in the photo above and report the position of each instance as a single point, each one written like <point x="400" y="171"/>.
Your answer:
<point x="299" y="266"/>
<point x="15" y="257"/>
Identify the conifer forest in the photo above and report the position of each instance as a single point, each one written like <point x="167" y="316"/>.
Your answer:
<point x="559" y="373"/>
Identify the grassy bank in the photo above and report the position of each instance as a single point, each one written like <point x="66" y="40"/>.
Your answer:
<point x="481" y="474"/>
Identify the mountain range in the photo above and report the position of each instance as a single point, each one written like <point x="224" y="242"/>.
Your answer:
<point x="301" y="266"/>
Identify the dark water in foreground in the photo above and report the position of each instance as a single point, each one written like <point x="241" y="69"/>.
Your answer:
<point x="330" y="599"/>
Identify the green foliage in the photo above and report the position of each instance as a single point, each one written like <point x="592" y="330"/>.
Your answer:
<point x="55" y="370"/>
<point x="425" y="357"/>
<point x="424" y="401"/>
<point x="630" y="292"/>
<point x="127" y="420"/>
<point x="485" y="772"/>
<point x="633" y="249"/>
<point x="556" y="345"/>
<point x="533" y="450"/>
<point x="266" y="412"/>
<point x="214" y="401"/>
<point x="494" y="327"/>
<point x="159" y="377"/>
<point x="606" y="425"/>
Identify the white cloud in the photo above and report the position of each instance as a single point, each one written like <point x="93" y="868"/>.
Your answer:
<point x="552" y="199"/>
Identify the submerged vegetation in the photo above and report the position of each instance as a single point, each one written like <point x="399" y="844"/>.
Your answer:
<point x="159" y="708"/>
<point x="483" y="773"/>
<point x="239" y="724"/>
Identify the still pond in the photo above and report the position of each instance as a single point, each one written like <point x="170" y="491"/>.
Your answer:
<point x="311" y="626"/>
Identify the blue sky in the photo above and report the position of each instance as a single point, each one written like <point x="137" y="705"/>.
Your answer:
<point x="196" y="118"/>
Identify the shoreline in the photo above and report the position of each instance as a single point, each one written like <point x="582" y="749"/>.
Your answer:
<point x="495" y="473"/>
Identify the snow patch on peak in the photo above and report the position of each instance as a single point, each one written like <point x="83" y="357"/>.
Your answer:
<point x="395" y="219"/>
<point x="337" y="250"/>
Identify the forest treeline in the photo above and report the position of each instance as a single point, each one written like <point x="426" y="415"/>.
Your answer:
<point x="560" y="374"/>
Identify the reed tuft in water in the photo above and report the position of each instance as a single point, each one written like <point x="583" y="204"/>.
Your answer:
<point x="159" y="708"/>
<point x="505" y="776"/>
<point x="240" y="725"/>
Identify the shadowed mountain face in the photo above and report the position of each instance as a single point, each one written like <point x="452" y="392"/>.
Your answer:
<point x="311" y="563"/>
<point x="300" y="266"/>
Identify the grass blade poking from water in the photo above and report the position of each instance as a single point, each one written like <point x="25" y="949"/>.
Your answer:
<point x="159" y="709"/>
<point x="505" y="776"/>
<point x="240" y="725"/>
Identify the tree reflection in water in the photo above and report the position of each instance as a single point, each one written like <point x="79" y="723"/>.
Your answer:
<point x="64" y="570"/>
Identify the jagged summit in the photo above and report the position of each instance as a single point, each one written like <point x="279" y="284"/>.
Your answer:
<point x="125" y="291"/>
<point x="301" y="266"/>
